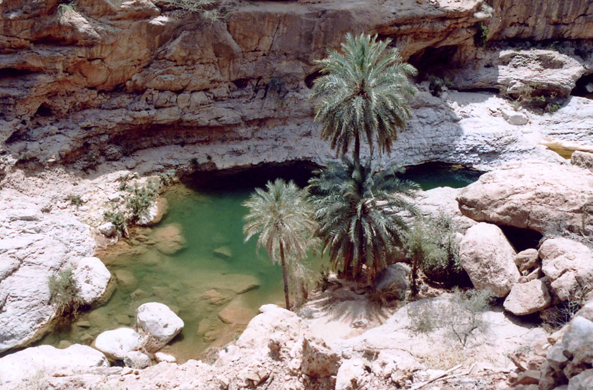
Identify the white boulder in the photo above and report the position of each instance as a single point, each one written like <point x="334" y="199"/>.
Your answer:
<point x="136" y="360"/>
<point x="488" y="258"/>
<point x="107" y="229"/>
<point x="155" y="213"/>
<point x="115" y="344"/>
<point x="92" y="279"/>
<point x="158" y="324"/>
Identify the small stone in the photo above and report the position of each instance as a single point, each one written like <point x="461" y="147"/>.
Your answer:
<point x="107" y="229"/>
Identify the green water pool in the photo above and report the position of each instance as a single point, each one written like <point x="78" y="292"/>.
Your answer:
<point x="216" y="282"/>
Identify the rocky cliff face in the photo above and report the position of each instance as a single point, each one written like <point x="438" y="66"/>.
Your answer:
<point x="102" y="80"/>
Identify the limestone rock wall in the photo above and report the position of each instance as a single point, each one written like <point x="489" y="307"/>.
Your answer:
<point x="104" y="79"/>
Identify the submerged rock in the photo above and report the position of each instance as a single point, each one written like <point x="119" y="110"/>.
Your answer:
<point x="224" y="252"/>
<point x="236" y="315"/>
<point x="169" y="239"/>
<point x="158" y="324"/>
<point x="115" y="344"/>
<point x="528" y="298"/>
<point x="488" y="258"/>
<point x="568" y="265"/>
<point x="238" y="283"/>
<point x="30" y="362"/>
<point x="126" y="279"/>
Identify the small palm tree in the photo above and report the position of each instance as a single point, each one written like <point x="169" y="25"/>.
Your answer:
<point x="359" y="224"/>
<point x="284" y="221"/>
<point x="363" y="93"/>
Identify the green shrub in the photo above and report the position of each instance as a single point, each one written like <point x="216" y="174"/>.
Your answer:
<point x="167" y="177"/>
<point x="64" y="294"/>
<point x="461" y="315"/>
<point x="481" y="37"/>
<point x="140" y="199"/>
<point x="432" y="247"/>
<point x="118" y="219"/>
<point x="75" y="200"/>
<point x="552" y="107"/>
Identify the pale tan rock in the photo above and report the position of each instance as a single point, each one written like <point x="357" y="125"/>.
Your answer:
<point x="169" y="239"/>
<point x="126" y="279"/>
<point x="239" y="283"/>
<point x="235" y="315"/>
<point x="319" y="361"/>
<point x="568" y="266"/>
<point x="528" y="298"/>
<point x="526" y="259"/>
<point x="535" y="195"/>
<point x="213" y="297"/>
<point x="487" y="257"/>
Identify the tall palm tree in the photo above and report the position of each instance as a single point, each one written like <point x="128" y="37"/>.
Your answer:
<point x="359" y="224"/>
<point x="284" y="221"/>
<point x="363" y="93"/>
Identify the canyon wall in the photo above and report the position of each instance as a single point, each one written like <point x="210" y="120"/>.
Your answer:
<point x="105" y="79"/>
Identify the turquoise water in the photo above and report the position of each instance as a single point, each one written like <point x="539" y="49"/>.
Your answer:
<point x="216" y="282"/>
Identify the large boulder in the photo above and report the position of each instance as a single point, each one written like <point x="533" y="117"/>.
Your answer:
<point x="28" y="363"/>
<point x="158" y="324"/>
<point x="488" y="258"/>
<point x="394" y="280"/>
<point x="34" y="246"/>
<point x="115" y="344"/>
<point x="568" y="265"/>
<point x="534" y="195"/>
<point x="528" y="298"/>
<point x="514" y="72"/>
<point x="92" y="279"/>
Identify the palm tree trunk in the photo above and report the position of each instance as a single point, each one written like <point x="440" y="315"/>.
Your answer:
<point x="414" y="286"/>
<point x="357" y="174"/>
<point x="284" y="277"/>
